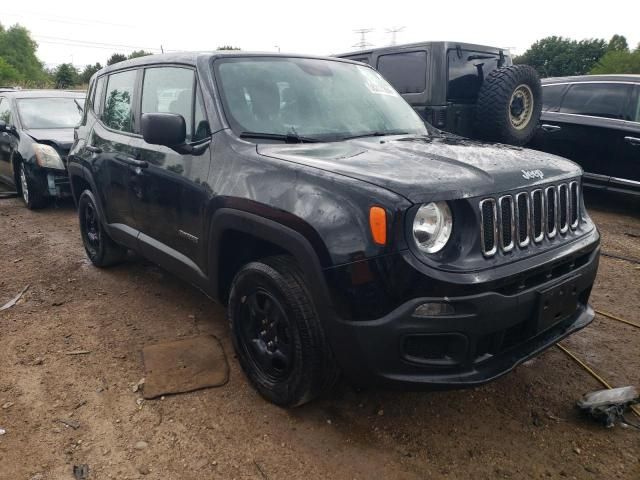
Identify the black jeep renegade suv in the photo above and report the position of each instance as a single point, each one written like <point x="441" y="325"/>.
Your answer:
<point x="343" y="232"/>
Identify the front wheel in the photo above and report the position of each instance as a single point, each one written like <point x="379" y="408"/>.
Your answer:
<point x="277" y="334"/>
<point x="31" y="190"/>
<point x="100" y="248"/>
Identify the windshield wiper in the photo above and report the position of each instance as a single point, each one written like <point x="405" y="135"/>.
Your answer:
<point x="285" y="137"/>
<point x="377" y="134"/>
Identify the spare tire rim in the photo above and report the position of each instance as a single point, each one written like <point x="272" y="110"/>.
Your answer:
<point x="266" y="335"/>
<point x="521" y="107"/>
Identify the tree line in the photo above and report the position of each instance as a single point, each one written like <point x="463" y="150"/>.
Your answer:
<point x="562" y="57"/>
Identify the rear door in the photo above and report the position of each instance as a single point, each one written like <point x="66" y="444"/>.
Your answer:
<point x="170" y="195"/>
<point x="626" y="172"/>
<point x="587" y="127"/>
<point x="8" y="143"/>
<point x="110" y="152"/>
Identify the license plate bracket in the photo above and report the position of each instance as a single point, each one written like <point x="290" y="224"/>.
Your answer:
<point x="556" y="303"/>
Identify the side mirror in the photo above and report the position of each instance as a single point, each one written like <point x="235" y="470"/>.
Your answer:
<point x="168" y="129"/>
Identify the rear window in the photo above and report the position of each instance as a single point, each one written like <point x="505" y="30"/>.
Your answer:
<point x="467" y="70"/>
<point x="407" y="72"/>
<point x="606" y="100"/>
<point x="50" y="112"/>
<point x="552" y="96"/>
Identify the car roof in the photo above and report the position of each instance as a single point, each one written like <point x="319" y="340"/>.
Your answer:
<point x="192" y="58"/>
<point x="593" y="78"/>
<point x="44" y="93"/>
<point x="444" y="44"/>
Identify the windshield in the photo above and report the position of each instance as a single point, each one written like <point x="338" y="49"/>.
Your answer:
<point x="321" y="100"/>
<point x="50" y="112"/>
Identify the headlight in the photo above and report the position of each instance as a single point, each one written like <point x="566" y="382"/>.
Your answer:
<point x="432" y="226"/>
<point x="47" y="157"/>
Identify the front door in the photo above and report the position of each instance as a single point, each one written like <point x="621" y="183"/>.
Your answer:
<point x="170" y="194"/>
<point x="8" y="143"/>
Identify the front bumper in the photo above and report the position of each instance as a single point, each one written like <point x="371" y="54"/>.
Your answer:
<point x="487" y="335"/>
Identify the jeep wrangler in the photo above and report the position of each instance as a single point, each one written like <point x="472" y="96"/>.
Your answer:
<point x="343" y="233"/>
<point x="471" y="90"/>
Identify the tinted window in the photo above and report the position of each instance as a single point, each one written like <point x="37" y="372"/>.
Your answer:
<point x="551" y="96"/>
<point x="360" y="59"/>
<point x="99" y="96"/>
<point x="607" y="100"/>
<point x="201" y="124"/>
<point x="407" y="72"/>
<point x="637" y="118"/>
<point x="169" y="90"/>
<point x="117" y="108"/>
<point x="467" y="70"/>
<point x="5" y="111"/>
<point x="50" y="112"/>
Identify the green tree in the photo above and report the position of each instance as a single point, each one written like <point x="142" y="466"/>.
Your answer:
<point x="139" y="53"/>
<point x="88" y="72"/>
<point x="18" y="49"/>
<point x="558" y="56"/>
<point x="8" y="74"/>
<point x="66" y="75"/>
<point x="618" y="43"/>
<point x="618" y="62"/>
<point x="228" y="47"/>
<point x="116" y="58"/>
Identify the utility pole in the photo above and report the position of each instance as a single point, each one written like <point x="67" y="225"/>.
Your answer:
<point x="393" y="31"/>
<point x="362" y="44"/>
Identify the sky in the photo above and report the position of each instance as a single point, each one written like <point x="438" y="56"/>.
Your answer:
<point x="89" y="32"/>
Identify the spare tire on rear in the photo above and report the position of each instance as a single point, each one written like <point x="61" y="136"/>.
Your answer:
<point x="509" y="105"/>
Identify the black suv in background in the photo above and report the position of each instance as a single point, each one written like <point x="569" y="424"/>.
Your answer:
<point x="341" y="232"/>
<point x="36" y="133"/>
<point x="467" y="89"/>
<point x="595" y="121"/>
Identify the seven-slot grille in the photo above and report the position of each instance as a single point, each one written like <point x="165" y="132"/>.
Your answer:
<point x="527" y="217"/>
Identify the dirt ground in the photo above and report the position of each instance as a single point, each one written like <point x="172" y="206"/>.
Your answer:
<point x="521" y="426"/>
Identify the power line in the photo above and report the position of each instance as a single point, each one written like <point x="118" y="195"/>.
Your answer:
<point x="87" y="43"/>
<point x="362" y="44"/>
<point x="64" y="19"/>
<point x="394" y="31"/>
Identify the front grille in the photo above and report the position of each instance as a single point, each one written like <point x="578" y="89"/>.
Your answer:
<point x="518" y="219"/>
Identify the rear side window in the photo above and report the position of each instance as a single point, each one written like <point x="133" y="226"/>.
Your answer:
<point x="118" y="101"/>
<point x="360" y="59"/>
<point x="606" y="100"/>
<point x="5" y="111"/>
<point x="552" y="96"/>
<point x="169" y="90"/>
<point x="407" y="72"/>
<point x="467" y="70"/>
<point x="99" y="96"/>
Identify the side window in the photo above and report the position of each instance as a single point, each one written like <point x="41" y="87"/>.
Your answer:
<point x="169" y="90"/>
<point x="407" y="72"/>
<point x="117" y="108"/>
<point x="360" y="59"/>
<point x="551" y="97"/>
<point x="99" y="96"/>
<point x="201" y="124"/>
<point x="606" y="100"/>
<point x="5" y="111"/>
<point x="637" y="117"/>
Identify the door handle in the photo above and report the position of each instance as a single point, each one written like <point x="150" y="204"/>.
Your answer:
<point x="632" y="140"/>
<point x="92" y="149"/>
<point x="132" y="161"/>
<point x="550" y="128"/>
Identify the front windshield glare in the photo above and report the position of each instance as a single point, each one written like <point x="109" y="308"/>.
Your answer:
<point x="322" y="100"/>
<point x="50" y="112"/>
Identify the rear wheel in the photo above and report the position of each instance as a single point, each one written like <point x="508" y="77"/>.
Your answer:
<point x="100" y="248"/>
<point x="509" y="105"/>
<point x="31" y="190"/>
<point x="277" y="334"/>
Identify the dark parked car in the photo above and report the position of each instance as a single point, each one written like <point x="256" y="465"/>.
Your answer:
<point x="36" y="133"/>
<point x="467" y="89"/>
<point x="343" y="234"/>
<point x="595" y="121"/>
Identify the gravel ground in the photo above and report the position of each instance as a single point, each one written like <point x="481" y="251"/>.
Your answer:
<point x="521" y="426"/>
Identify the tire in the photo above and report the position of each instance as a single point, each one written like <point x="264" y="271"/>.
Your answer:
<point x="277" y="335"/>
<point x="100" y="248"/>
<point x="509" y="105"/>
<point x="32" y="191"/>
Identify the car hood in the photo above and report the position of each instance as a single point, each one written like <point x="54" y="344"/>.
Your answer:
<point x="62" y="138"/>
<point x="430" y="168"/>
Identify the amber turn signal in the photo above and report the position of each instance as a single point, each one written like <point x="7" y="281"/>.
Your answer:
<point x="378" y="224"/>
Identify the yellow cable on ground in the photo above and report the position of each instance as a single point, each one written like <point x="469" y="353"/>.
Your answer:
<point x="634" y="408"/>
<point x="613" y="317"/>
